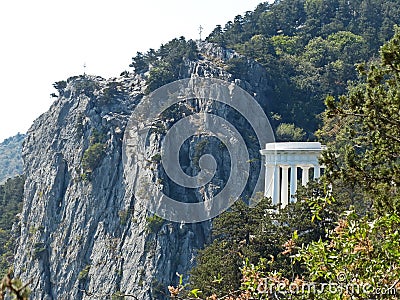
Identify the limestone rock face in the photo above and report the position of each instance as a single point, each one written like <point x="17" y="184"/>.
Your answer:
<point x="82" y="235"/>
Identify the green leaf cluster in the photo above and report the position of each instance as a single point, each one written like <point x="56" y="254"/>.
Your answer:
<point x="154" y="223"/>
<point x="11" y="196"/>
<point x="94" y="154"/>
<point x="253" y="233"/>
<point x="84" y="273"/>
<point x="289" y="133"/>
<point x="165" y="64"/>
<point x="13" y="287"/>
<point x="92" y="157"/>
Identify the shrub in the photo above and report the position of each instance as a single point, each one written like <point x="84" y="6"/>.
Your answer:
<point x="97" y="136"/>
<point x="39" y="248"/>
<point x="79" y="125"/>
<point x="123" y="216"/>
<point x="199" y="151"/>
<point x="289" y="133"/>
<point x="156" y="158"/>
<point x="14" y="286"/>
<point x="159" y="128"/>
<point x="154" y="223"/>
<point x="84" y="273"/>
<point x="86" y="86"/>
<point x="92" y="157"/>
<point x="60" y="85"/>
<point x="117" y="296"/>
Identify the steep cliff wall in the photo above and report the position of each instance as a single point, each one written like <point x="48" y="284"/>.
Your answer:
<point x="83" y="236"/>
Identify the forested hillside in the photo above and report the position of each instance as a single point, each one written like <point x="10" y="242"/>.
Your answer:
<point x="11" y="195"/>
<point x="10" y="157"/>
<point x="309" y="48"/>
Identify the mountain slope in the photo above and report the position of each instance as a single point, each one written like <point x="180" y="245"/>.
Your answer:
<point x="11" y="163"/>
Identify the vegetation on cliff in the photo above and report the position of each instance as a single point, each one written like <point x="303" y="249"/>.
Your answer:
<point x="11" y="163"/>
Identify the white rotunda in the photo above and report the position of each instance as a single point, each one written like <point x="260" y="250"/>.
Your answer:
<point x="282" y="157"/>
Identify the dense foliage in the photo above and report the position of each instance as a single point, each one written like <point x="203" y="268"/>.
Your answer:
<point x="289" y="133"/>
<point x="92" y="157"/>
<point x="94" y="154"/>
<point x="167" y="63"/>
<point x="309" y="48"/>
<point x="364" y="153"/>
<point x="366" y="125"/>
<point x="254" y="233"/>
<point x="11" y="195"/>
<point x="13" y="287"/>
<point x="11" y="163"/>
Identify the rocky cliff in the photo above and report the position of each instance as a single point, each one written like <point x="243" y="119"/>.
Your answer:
<point x="82" y="235"/>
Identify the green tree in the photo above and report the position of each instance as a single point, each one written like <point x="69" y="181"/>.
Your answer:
<point x="216" y="36"/>
<point x="365" y="150"/>
<point x="361" y="129"/>
<point x="11" y="196"/>
<point x="289" y="133"/>
<point x="167" y="63"/>
<point x="285" y="44"/>
<point x="92" y="157"/>
<point x="252" y="233"/>
<point x="160" y="75"/>
<point x="140" y="63"/>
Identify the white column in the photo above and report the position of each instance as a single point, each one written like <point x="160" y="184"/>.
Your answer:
<point x="317" y="172"/>
<point x="304" y="175"/>
<point x="269" y="181"/>
<point x="291" y="155"/>
<point x="293" y="182"/>
<point x="276" y="181"/>
<point x="284" y="190"/>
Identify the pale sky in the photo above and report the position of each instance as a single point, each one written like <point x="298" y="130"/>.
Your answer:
<point x="44" y="41"/>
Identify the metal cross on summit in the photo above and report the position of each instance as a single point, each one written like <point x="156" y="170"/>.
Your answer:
<point x="200" y="31"/>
